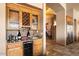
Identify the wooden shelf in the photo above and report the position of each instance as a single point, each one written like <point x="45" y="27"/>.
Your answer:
<point x="12" y="29"/>
<point x="25" y="26"/>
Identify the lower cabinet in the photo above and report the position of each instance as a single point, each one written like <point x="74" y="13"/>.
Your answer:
<point x="25" y="49"/>
<point x="15" y="52"/>
<point x="37" y="47"/>
<point x="14" y="49"/>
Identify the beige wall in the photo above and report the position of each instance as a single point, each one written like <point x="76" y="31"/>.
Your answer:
<point x="61" y="27"/>
<point x="69" y="12"/>
<point x="2" y="29"/>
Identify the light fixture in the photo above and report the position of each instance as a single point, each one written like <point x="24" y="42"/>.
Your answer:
<point x="50" y="11"/>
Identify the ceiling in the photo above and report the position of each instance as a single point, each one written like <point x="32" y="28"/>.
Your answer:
<point x="70" y="6"/>
<point x="55" y="6"/>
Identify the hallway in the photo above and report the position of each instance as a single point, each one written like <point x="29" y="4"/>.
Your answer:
<point x="54" y="49"/>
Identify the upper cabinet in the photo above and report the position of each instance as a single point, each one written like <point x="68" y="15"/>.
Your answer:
<point x="23" y="15"/>
<point x="13" y="19"/>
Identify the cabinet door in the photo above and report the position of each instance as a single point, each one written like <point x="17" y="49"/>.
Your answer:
<point x="13" y="19"/>
<point x="37" y="47"/>
<point x="34" y="22"/>
<point x="15" y="49"/>
<point x="15" y="52"/>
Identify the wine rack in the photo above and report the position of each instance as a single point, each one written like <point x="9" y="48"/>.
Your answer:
<point x="25" y="19"/>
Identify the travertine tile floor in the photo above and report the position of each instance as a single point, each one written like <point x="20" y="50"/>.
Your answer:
<point x="53" y="49"/>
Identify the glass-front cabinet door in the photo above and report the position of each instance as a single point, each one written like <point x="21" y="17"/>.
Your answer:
<point x="34" y="22"/>
<point x="13" y="20"/>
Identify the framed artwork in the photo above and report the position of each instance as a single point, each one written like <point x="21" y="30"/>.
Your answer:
<point x="34" y="22"/>
<point x="13" y="19"/>
<point x="25" y="19"/>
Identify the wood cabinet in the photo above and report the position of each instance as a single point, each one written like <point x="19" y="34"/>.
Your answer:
<point x="22" y="16"/>
<point x="24" y="13"/>
<point x="37" y="47"/>
<point x="15" y="49"/>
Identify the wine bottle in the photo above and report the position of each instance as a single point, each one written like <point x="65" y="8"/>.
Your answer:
<point x="19" y="35"/>
<point x="28" y="33"/>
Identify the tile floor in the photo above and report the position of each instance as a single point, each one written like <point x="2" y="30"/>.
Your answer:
<point x="53" y="49"/>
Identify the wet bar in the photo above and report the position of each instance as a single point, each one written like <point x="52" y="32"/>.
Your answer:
<point x="23" y="30"/>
